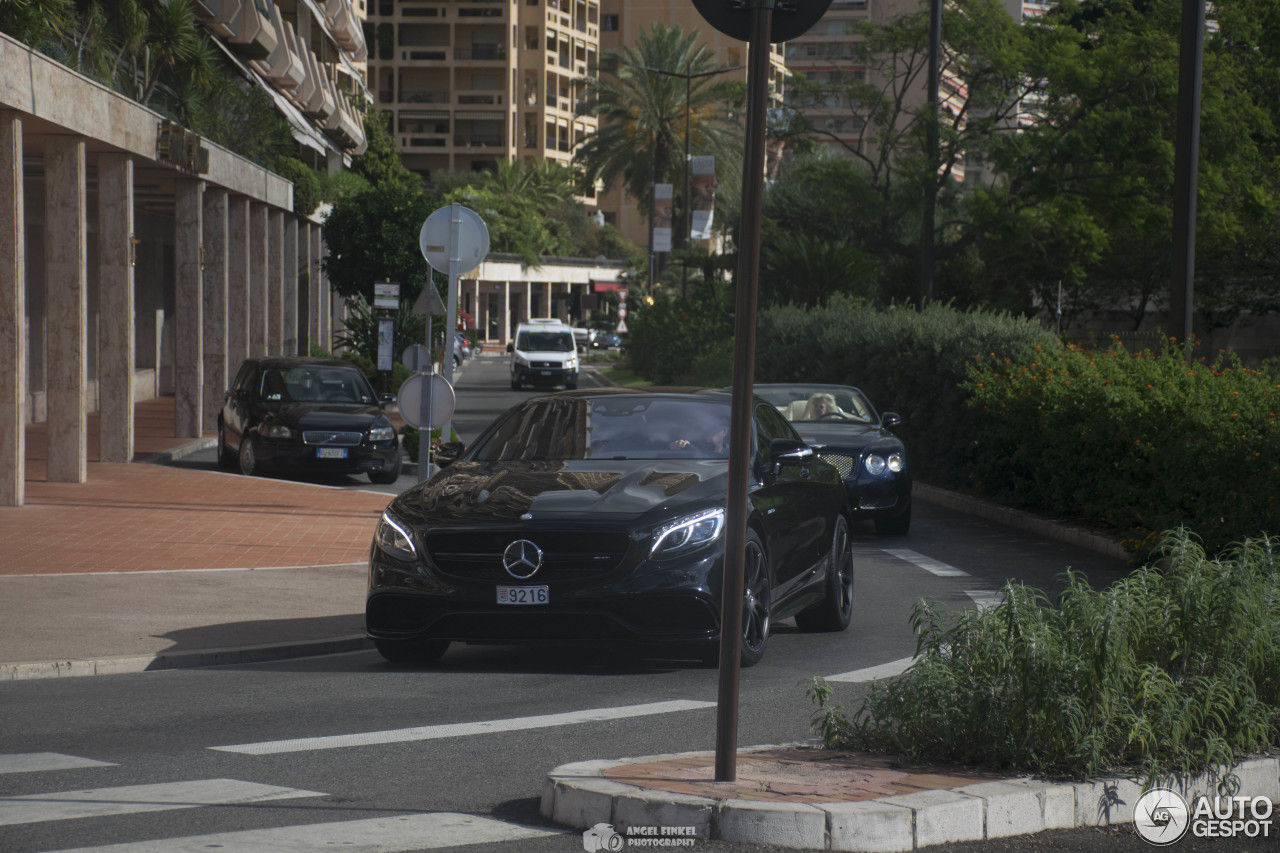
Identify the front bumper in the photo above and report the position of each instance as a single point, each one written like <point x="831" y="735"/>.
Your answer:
<point x="548" y="376"/>
<point x="296" y="457"/>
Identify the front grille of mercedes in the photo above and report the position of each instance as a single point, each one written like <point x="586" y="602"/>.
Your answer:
<point x="566" y="556"/>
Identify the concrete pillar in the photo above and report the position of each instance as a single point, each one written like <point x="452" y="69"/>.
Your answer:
<point x="214" y="313"/>
<point x="275" y="281"/>
<point x="237" y="281"/>
<point x="188" y="303"/>
<point x="326" y="300"/>
<point x="306" y="334"/>
<point x="257" y="279"/>
<point x="289" y="319"/>
<point x="66" y="284"/>
<point x="116" y="344"/>
<point x="314" y="327"/>
<point x="13" y="313"/>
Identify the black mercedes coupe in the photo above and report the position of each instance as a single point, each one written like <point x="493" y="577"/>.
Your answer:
<point x="306" y="415"/>
<point x="598" y="515"/>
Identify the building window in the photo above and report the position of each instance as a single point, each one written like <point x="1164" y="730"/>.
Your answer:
<point x="609" y="23"/>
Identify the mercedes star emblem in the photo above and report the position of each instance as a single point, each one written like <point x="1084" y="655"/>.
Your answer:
<point x="522" y="559"/>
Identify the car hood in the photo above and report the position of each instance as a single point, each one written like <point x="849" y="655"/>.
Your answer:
<point x="324" y="415"/>
<point x="852" y="436"/>
<point x="488" y="492"/>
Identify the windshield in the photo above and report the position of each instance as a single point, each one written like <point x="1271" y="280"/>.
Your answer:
<point x="614" y="427"/>
<point x="812" y="403"/>
<point x="545" y="342"/>
<point x="313" y="383"/>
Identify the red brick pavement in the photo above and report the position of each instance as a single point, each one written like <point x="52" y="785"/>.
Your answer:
<point x="142" y="517"/>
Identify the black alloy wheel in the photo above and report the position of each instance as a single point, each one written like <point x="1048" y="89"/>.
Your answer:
<point x="757" y="601"/>
<point x="411" y="651"/>
<point x="248" y="459"/>
<point x="834" y="612"/>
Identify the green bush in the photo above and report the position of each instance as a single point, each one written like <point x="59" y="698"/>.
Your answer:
<point x="1140" y="441"/>
<point x="667" y="336"/>
<point x="1174" y="670"/>
<point x="907" y="361"/>
<point x="410" y="436"/>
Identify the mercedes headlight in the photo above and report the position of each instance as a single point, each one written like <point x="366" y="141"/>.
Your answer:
<point x="394" y="539"/>
<point x="687" y="533"/>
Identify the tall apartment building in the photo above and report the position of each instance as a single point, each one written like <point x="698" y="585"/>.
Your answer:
<point x="472" y="82"/>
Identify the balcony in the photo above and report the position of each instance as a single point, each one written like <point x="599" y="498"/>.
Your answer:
<point x="344" y="25"/>
<point x="284" y="68"/>
<point x="481" y="52"/>
<point x="423" y="96"/>
<point x="257" y="36"/>
<point x="222" y="16"/>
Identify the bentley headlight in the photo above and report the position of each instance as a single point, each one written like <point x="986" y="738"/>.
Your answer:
<point x="896" y="462"/>
<point x="277" y="431"/>
<point x="686" y="534"/>
<point x="875" y="465"/>
<point x="394" y="540"/>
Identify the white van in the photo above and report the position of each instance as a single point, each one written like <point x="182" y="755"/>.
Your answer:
<point x="543" y="353"/>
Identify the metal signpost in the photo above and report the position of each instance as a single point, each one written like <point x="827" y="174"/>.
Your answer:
<point x="454" y="240"/>
<point x="759" y="22"/>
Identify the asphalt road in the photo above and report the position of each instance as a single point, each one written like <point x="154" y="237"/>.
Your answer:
<point x="348" y="748"/>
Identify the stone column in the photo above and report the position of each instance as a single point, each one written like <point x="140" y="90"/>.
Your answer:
<point x="214" y="313"/>
<point x="66" y="285"/>
<point x="237" y="281"/>
<point x="257" y="279"/>
<point x="13" y="314"/>
<point x="275" y="282"/>
<point x="315" y="335"/>
<point x="289" y="319"/>
<point x="326" y="319"/>
<point x="116" y="343"/>
<point x="188" y="304"/>
<point x="306" y="334"/>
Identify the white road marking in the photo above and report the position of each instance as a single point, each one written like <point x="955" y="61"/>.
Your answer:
<point x="929" y="564"/>
<point x="99" y="802"/>
<point x="463" y="729"/>
<point x="985" y="598"/>
<point x="38" y="762"/>
<point x="377" y="835"/>
<point x="871" y="673"/>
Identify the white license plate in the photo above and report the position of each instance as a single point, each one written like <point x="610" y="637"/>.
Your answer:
<point x="331" y="453"/>
<point x="546" y="373"/>
<point x="524" y="595"/>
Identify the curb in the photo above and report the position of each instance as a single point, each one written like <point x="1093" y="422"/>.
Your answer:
<point x="68" y="668"/>
<point x="577" y="795"/>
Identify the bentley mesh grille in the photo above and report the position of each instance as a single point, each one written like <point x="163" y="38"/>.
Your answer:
<point x="843" y="462"/>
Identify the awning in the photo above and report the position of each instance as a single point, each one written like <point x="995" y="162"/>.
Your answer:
<point x="602" y="286"/>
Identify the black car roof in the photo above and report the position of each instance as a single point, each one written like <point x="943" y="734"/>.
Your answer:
<point x="283" y="362"/>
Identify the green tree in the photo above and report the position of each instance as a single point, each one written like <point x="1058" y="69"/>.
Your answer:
<point x="372" y="236"/>
<point x="642" y="114"/>
<point x="381" y="163"/>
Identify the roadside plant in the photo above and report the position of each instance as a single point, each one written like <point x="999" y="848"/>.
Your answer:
<point x="1173" y="671"/>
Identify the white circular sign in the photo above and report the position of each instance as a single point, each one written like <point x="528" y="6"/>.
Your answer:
<point x="411" y="396"/>
<point x="416" y="358"/>
<point x="1161" y="816"/>
<point x="436" y="235"/>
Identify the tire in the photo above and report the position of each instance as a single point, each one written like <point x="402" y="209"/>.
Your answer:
<point x="757" y="602"/>
<point x="896" y="526"/>
<point x="411" y="651"/>
<point x="571" y="386"/>
<point x="247" y="459"/>
<point x="835" y="610"/>
<point x="515" y="385"/>
<point x="388" y="476"/>
<point x="226" y="459"/>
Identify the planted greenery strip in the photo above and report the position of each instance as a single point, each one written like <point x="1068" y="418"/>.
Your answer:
<point x="1173" y="671"/>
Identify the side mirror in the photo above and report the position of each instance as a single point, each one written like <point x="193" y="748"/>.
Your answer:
<point x="386" y="399"/>
<point x="891" y="419"/>
<point x="788" y="450"/>
<point x="511" y="347"/>
<point x="448" y="453"/>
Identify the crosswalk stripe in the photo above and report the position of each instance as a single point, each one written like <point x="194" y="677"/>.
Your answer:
<point x="929" y="564"/>
<point x="871" y="673"/>
<point x="985" y="598"/>
<point x="463" y="729"/>
<point x="100" y="802"/>
<point x="376" y="835"/>
<point x="39" y="762"/>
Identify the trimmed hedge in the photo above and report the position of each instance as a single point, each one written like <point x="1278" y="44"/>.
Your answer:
<point x="1141" y="441"/>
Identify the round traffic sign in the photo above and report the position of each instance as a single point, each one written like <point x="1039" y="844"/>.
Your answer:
<point x="788" y="19"/>
<point x="416" y="358"/>
<point x="411" y="396"/>
<point x="436" y="237"/>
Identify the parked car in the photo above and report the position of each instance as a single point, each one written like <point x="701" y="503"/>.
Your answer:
<point x="307" y="415"/>
<point x="603" y="339"/>
<point x="847" y="431"/>
<point x="597" y="515"/>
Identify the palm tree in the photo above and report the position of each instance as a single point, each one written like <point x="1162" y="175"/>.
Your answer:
<point x="643" y="113"/>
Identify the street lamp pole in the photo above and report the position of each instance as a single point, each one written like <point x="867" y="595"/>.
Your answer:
<point x="687" y="217"/>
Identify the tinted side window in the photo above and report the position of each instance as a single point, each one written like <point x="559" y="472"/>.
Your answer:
<point x="244" y="377"/>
